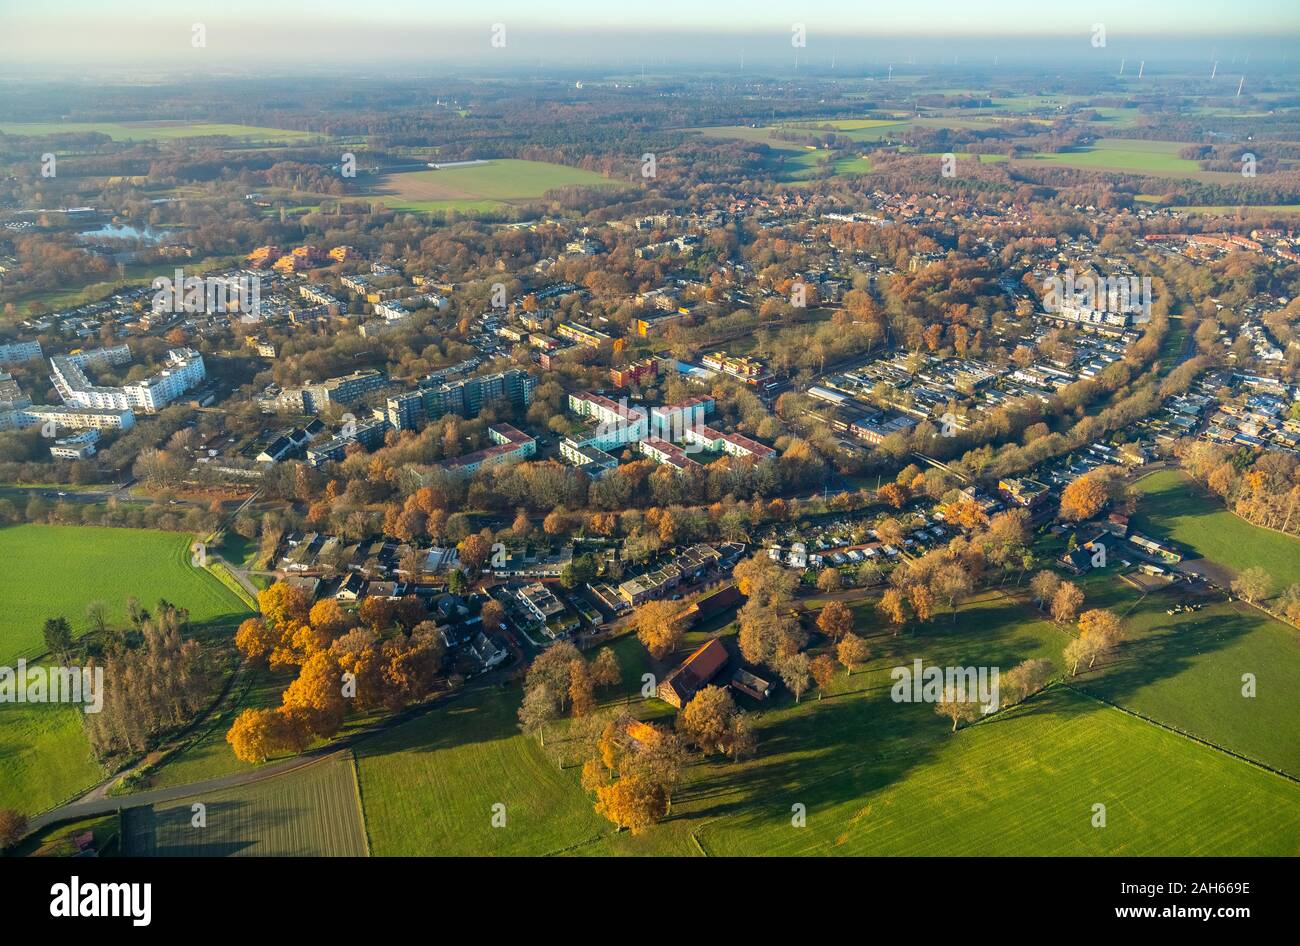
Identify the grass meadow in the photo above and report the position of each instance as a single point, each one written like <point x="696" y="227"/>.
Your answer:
<point x="1173" y="507"/>
<point x="875" y="776"/>
<point x="483" y="186"/>
<point x="157" y="131"/>
<point x="53" y="571"/>
<point x="57" y="570"/>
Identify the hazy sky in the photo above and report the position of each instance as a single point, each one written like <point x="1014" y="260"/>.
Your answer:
<point x="144" y="33"/>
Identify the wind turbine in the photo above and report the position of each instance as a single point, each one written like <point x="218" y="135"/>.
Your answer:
<point x="1121" y="66"/>
<point x="1215" y="70"/>
<point x="1141" y="68"/>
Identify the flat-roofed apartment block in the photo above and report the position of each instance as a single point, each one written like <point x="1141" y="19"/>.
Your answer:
<point x="649" y="325"/>
<point x="466" y="397"/>
<point x="1023" y="491"/>
<point x="587" y="457"/>
<point x="77" y="447"/>
<point x="671" y="421"/>
<point x="11" y="393"/>
<point x="618" y="423"/>
<point x="875" y="430"/>
<point x="688" y="565"/>
<point x="368" y="433"/>
<point x="13" y="353"/>
<point x="749" y="370"/>
<point x="540" y="604"/>
<point x="71" y="418"/>
<point x="655" y="584"/>
<point x="637" y="372"/>
<point x="184" y="370"/>
<point x="581" y="334"/>
<point x="343" y="391"/>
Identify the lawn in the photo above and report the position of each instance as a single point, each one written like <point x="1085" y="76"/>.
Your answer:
<point x="429" y="785"/>
<point x="1175" y="508"/>
<point x="1126" y="154"/>
<point x="310" y="812"/>
<point x="133" y="275"/>
<point x="58" y="570"/>
<point x="45" y="756"/>
<point x="483" y="186"/>
<point x="156" y="130"/>
<point x="1185" y="670"/>
<point x="876" y="777"/>
<point x="208" y="755"/>
<point x="1024" y="784"/>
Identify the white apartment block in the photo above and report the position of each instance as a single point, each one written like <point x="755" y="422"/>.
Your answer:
<point x="13" y="353"/>
<point x="73" y="418"/>
<point x="184" y="370"/>
<point x="619" y="423"/>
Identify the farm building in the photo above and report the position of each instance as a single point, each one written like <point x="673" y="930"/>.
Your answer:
<point x="745" y="682"/>
<point x="694" y="673"/>
<point x="712" y="605"/>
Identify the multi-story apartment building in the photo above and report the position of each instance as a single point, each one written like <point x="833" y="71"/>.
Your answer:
<point x="749" y="370"/>
<point x="671" y="421"/>
<point x="100" y="357"/>
<point x="184" y="370"/>
<point x="618" y="423"/>
<point x="77" y="447"/>
<point x="344" y="390"/>
<point x="466" y="397"/>
<point x="734" y="444"/>
<point x="368" y="433"/>
<point x="666" y="454"/>
<point x="581" y="334"/>
<point x="73" y="418"/>
<point x="585" y="456"/>
<point x="638" y="372"/>
<point x="12" y="353"/>
<point x="509" y="444"/>
<point x="11" y="394"/>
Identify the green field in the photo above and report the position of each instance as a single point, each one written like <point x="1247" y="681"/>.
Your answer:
<point x="1175" y="508"/>
<point x="1025" y="784"/>
<point x="482" y="187"/>
<point x="960" y="156"/>
<point x="160" y="131"/>
<point x="133" y="275"/>
<point x="1126" y="154"/>
<point x="53" y="571"/>
<point x="208" y="755"/>
<point x="45" y="755"/>
<point x="1224" y="210"/>
<point x="57" y="570"/>
<point x="309" y="812"/>
<point x="1186" y="671"/>
<point x="876" y="777"/>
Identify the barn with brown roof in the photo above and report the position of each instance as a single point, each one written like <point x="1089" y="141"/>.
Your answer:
<point x="694" y="673"/>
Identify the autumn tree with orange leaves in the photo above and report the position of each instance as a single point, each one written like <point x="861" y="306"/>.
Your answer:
<point x="1083" y="498"/>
